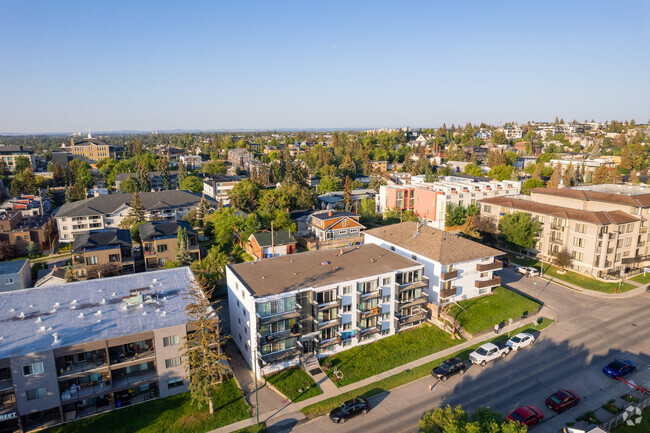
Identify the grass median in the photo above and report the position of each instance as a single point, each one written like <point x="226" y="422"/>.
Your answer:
<point x="295" y="384"/>
<point x="407" y="376"/>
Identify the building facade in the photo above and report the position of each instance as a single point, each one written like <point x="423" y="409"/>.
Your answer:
<point x="15" y="275"/>
<point x="155" y="180"/>
<point x="88" y="347"/>
<point x="160" y="242"/>
<point x="262" y="245"/>
<point x="331" y="229"/>
<point x="107" y="250"/>
<point x="318" y="303"/>
<point x="218" y="187"/>
<point x="19" y="231"/>
<point x="9" y="154"/>
<point x="92" y="150"/>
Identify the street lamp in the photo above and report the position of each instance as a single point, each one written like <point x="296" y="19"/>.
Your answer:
<point x="257" y="403"/>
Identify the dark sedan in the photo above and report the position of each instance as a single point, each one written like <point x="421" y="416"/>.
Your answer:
<point x="527" y="415"/>
<point x="562" y="399"/>
<point x="619" y="368"/>
<point x="349" y="409"/>
<point x="449" y="368"/>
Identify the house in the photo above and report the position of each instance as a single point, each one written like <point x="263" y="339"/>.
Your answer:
<point x="92" y="150"/>
<point x="108" y="211"/>
<point x="456" y="268"/>
<point x="97" y="251"/>
<point x="9" y="154"/>
<point x="19" y="231"/>
<point x="334" y="229"/>
<point x="92" y="346"/>
<point x="381" y="166"/>
<point x="271" y="244"/>
<point x="156" y="182"/>
<point x="218" y="187"/>
<point x="15" y="275"/>
<point x="328" y="303"/>
<point x="160" y="242"/>
<point x="51" y="277"/>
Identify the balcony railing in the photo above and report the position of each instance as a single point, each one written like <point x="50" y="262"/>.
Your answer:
<point x="494" y="266"/>
<point x="412" y="302"/>
<point x="448" y="293"/>
<point x="329" y="324"/>
<point x="329" y="342"/>
<point x="331" y="304"/>
<point x="424" y="283"/>
<point x="81" y="368"/>
<point x="415" y="318"/>
<point x="85" y="390"/>
<point x="556" y="227"/>
<point x="487" y="283"/>
<point x="558" y="241"/>
<point x="369" y="330"/>
<point x="6" y="384"/>
<point x="444" y="276"/>
<point x="368" y="313"/>
<point x="133" y="378"/>
<point x="281" y="316"/>
<point x="280" y="355"/>
<point x="277" y="336"/>
<point x="123" y="358"/>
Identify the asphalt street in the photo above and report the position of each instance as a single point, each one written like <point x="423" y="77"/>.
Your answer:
<point x="589" y="332"/>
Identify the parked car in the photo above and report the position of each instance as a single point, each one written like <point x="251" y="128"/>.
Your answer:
<point x="488" y="352"/>
<point x="528" y="270"/>
<point x="449" y="368"/>
<point x="506" y="262"/>
<point x="526" y="415"/>
<point x="562" y="399"/>
<point x="520" y="341"/>
<point x="349" y="409"/>
<point x="619" y="368"/>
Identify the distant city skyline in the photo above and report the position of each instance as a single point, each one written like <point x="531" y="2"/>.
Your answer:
<point x="161" y="66"/>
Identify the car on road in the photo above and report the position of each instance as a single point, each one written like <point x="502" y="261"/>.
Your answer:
<point x="619" y="368"/>
<point x="488" y="352"/>
<point x="526" y="415"/>
<point x="449" y="368"/>
<point x="520" y="341"/>
<point x="528" y="270"/>
<point x="562" y="399"/>
<point x="349" y="409"/>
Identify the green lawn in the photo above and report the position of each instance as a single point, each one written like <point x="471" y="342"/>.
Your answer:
<point x="407" y="376"/>
<point x="386" y="353"/>
<point x="484" y="312"/>
<point x="295" y="384"/>
<point x="641" y="279"/>
<point x="260" y="428"/>
<point x="584" y="281"/>
<point x="644" y="427"/>
<point x="173" y="414"/>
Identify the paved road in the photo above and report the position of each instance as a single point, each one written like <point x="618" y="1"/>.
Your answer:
<point x="589" y="332"/>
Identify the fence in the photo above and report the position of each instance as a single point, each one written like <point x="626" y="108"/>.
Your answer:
<point x="626" y="414"/>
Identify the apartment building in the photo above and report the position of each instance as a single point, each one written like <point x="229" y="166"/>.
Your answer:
<point x="429" y="201"/>
<point x="160" y="242"/>
<point x="99" y="250"/>
<point x="92" y="150"/>
<point x="155" y="180"/>
<point x="605" y="227"/>
<point x="381" y="166"/>
<point x="191" y="162"/>
<point x="271" y="244"/>
<point x="9" y="154"/>
<point x="320" y="303"/>
<point x="15" y="275"/>
<point x="108" y="211"/>
<point x="19" y="231"/>
<point x="241" y="158"/>
<point x="88" y="347"/>
<point x="456" y="268"/>
<point x="218" y="187"/>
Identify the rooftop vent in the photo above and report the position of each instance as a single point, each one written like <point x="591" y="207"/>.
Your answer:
<point x="74" y="301"/>
<point x="12" y="310"/>
<point x="163" y="314"/>
<point x="42" y="329"/>
<point x="21" y="315"/>
<point x="373" y="260"/>
<point x="324" y="263"/>
<point x="56" y="304"/>
<point x="98" y="313"/>
<point x="38" y="320"/>
<point x="144" y="313"/>
<point x="53" y="310"/>
<point x="57" y="339"/>
<point x="31" y="305"/>
<point x="103" y="301"/>
<point x="81" y="315"/>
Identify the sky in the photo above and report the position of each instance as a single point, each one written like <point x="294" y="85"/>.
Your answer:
<point x="79" y="66"/>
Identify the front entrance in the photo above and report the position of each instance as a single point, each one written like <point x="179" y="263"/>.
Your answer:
<point x="307" y="346"/>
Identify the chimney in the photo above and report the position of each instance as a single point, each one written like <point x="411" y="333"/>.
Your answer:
<point x="329" y="213"/>
<point x="71" y="141"/>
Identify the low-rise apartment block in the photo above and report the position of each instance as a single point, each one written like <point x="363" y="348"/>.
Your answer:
<point x="87" y="347"/>
<point x="218" y="187"/>
<point x="191" y="162"/>
<point x="108" y="250"/>
<point x="155" y="180"/>
<point x="19" y="231"/>
<point x="15" y="275"/>
<point x="160" y="242"/>
<point x="9" y="154"/>
<point x="28" y="205"/>
<point x="605" y="227"/>
<point x="320" y="303"/>
<point x="92" y="150"/>
<point x="108" y="211"/>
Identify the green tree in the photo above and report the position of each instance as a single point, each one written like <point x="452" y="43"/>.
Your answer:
<point x="135" y="214"/>
<point x="456" y="420"/>
<point x="143" y="178"/>
<point x="182" y="172"/>
<point x="472" y="170"/>
<point x="212" y="268"/>
<point x="519" y="230"/>
<point x="32" y="249"/>
<point x="502" y="172"/>
<point x="21" y="163"/>
<point x="347" y="194"/>
<point x="556" y="178"/>
<point x="563" y="258"/>
<point x="183" y="256"/>
<point x="163" y="167"/>
<point x="205" y="361"/>
<point x="193" y="183"/>
<point x="531" y="184"/>
<point x="634" y="178"/>
<point x="129" y="186"/>
<point x="245" y="196"/>
<point x="78" y="191"/>
<point x="367" y="212"/>
<point x="328" y="184"/>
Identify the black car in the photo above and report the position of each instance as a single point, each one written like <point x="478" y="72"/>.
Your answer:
<point x="348" y="409"/>
<point x="449" y="368"/>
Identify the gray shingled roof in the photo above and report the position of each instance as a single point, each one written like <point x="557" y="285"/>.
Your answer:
<point x="154" y="229"/>
<point x="102" y="238"/>
<point x="156" y="200"/>
<point x="282" y="237"/>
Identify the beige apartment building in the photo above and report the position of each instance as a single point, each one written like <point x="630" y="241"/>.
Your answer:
<point x="605" y="227"/>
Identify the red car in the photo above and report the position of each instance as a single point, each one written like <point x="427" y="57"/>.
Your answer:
<point x="527" y="415"/>
<point x="562" y="399"/>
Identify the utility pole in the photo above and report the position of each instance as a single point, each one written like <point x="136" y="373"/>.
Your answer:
<point x="272" y="247"/>
<point x="257" y="403"/>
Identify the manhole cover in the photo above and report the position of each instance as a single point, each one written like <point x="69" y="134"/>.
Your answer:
<point x="315" y="371"/>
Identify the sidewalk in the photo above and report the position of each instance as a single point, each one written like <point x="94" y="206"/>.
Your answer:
<point x="640" y="288"/>
<point x="290" y="413"/>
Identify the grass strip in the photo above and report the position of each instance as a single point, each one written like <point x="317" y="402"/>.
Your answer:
<point x="295" y="384"/>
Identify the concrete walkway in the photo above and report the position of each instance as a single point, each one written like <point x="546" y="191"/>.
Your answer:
<point x="290" y="414"/>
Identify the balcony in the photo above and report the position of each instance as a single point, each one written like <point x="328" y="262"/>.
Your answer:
<point x="269" y="338"/>
<point x="331" y="304"/>
<point x="444" y="276"/>
<point x="368" y="313"/>
<point x="85" y="390"/>
<point x="494" y="266"/>
<point x="424" y="283"/>
<point x="82" y="367"/>
<point x="128" y="380"/>
<point x="369" y="330"/>
<point x="448" y="293"/>
<point x="275" y="317"/>
<point x="556" y="227"/>
<point x="412" y="302"/>
<point x="280" y="355"/>
<point x="557" y="241"/>
<point x="129" y="357"/>
<point x="329" y="324"/>
<point x="6" y="384"/>
<point x="418" y="318"/>
<point x="329" y="342"/>
<point x="487" y="283"/>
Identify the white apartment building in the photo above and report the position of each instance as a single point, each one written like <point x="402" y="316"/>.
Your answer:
<point x="191" y="162"/>
<point x="218" y="187"/>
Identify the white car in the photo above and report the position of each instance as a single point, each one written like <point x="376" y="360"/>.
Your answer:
<point x="528" y="270"/>
<point x="520" y="341"/>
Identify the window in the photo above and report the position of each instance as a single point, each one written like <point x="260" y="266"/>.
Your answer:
<point x="577" y="255"/>
<point x="276" y="307"/>
<point x="414" y="257"/>
<point x="171" y="340"/>
<point x="347" y="308"/>
<point x="385" y="316"/>
<point x="347" y="326"/>
<point x="91" y="261"/>
<point x="9" y="280"/>
<point x="162" y="262"/>
<point x="173" y="383"/>
<point x="392" y="248"/>
<point x="114" y="258"/>
<point x="617" y="257"/>
<point x="162" y="248"/>
<point x="173" y="362"/>
<point x="487" y="209"/>
<point x="630" y="227"/>
<point x="581" y="228"/>
<point x="279" y="345"/>
<point x="35" y="368"/>
<point x="579" y="242"/>
<point x="386" y="281"/>
<point x="627" y="242"/>
<point x="34" y="394"/>
<point x="347" y="290"/>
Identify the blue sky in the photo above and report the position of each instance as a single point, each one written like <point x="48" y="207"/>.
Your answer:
<point x="157" y="65"/>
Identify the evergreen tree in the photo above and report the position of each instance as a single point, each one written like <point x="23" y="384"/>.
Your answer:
<point x="203" y="209"/>
<point x="182" y="172"/>
<point x="32" y="249"/>
<point x="143" y="178"/>
<point x="556" y="177"/>
<point x="367" y="165"/>
<point x="136" y="212"/>
<point x="68" y="194"/>
<point x="163" y="166"/>
<point x="347" y="194"/>
<point x="634" y="178"/>
<point x="202" y="348"/>
<point x="78" y="191"/>
<point x="569" y="176"/>
<point x="183" y="257"/>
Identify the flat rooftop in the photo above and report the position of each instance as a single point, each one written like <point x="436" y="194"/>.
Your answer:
<point x="315" y="269"/>
<point x="12" y="267"/>
<point x="615" y="189"/>
<point x="86" y="311"/>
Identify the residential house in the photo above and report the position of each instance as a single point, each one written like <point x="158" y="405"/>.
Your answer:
<point x="19" y="231"/>
<point x="331" y="229"/>
<point x="51" y="277"/>
<point x="92" y="251"/>
<point x="88" y="347"/>
<point x="319" y="303"/>
<point x="160" y="242"/>
<point x="9" y="154"/>
<point x="15" y="275"/>
<point x="240" y="158"/>
<point x="155" y="180"/>
<point x="271" y="244"/>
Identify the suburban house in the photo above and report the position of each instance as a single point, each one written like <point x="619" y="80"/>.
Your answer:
<point x="88" y="347"/>
<point x="97" y="250"/>
<point x="9" y="154"/>
<point x="92" y="150"/>
<point x="332" y="229"/>
<point x="15" y="275"/>
<point x="108" y="211"/>
<point x="456" y="268"/>
<point x="19" y="231"/>
<point x="271" y="244"/>
<point x="155" y="180"/>
<point x="319" y="303"/>
<point x="160" y="242"/>
<point x="218" y="187"/>
<point x="51" y="277"/>
<point x="605" y="227"/>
